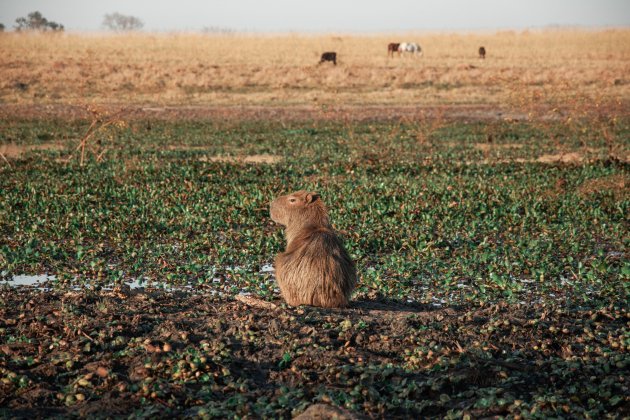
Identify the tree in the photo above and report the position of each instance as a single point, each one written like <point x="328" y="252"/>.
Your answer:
<point x="36" y="22"/>
<point x="117" y="22"/>
<point x="218" y="30"/>
<point x="1" y="27"/>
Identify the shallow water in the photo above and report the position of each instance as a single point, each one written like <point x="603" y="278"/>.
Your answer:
<point x="30" y="280"/>
<point x="44" y="282"/>
<point x="267" y="268"/>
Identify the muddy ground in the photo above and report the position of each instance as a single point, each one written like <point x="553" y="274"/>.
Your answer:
<point x="159" y="354"/>
<point x="156" y="354"/>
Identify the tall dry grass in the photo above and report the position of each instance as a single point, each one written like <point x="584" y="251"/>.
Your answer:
<point x="521" y="68"/>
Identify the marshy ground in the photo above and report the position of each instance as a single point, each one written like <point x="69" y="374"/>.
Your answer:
<point x="161" y="354"/>
<point x="488" y="219"/>
<point x="492" y="282"/>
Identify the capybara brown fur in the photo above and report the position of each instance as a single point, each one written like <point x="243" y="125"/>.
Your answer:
<point x="315" y="269"/>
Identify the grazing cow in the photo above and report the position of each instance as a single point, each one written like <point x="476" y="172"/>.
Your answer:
<point x="329" y="56"/>
<point x="411" y="48"/>
<point x="482" y="53"/>
<point x="392" y="47"/>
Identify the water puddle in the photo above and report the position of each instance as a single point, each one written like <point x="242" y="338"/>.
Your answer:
<point x="47" y="282"/>
<point x="37" y="281"/>
<point x="267" y="268"/>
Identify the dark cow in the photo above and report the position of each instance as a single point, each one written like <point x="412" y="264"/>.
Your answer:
<point x="482" y="52"/>
<point x="392" y="48"/>
<point x="329" y="56"/>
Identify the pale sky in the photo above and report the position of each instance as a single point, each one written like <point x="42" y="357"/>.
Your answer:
<point x="327" y="15"/>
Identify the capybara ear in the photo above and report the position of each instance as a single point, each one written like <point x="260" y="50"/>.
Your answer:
<point x="311" y="197"/>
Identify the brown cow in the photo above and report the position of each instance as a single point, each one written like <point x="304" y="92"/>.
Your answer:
<point x="392" y="47"/>
<point x="482" y="53"/>
<point x="329" y="56"/>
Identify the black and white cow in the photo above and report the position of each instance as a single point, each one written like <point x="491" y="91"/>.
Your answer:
<point x="410" y="48"/>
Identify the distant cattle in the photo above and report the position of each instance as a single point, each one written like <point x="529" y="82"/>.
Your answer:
<point x="410" y="48"/>
<point x="329" y="56"/>
<point x="392" y="48"/>
<point x="482" y="53"/>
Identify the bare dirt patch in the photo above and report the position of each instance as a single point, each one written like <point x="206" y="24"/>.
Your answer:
<point x="184" y="148"/>
<point x="284" y="113"/>
<point x="12" y="150"/>
<point x="571" y="157"/>
<point x="617" y="184"/>
<point x="486" y="147"/>
<point x="324" y="412"/>
<point x="262" y="158"/>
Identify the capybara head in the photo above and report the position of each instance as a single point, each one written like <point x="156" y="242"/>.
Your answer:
<point x="299" y="209"/>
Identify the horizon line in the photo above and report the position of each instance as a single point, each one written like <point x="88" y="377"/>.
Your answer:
<point x="226" y="31"/>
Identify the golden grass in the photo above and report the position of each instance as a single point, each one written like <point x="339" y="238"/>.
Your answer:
<point x="521" y="68"/>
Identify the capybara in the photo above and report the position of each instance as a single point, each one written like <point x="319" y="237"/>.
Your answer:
<point x="315" y="269"/>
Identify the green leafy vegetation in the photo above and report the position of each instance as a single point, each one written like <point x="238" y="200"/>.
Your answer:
<point x="438" y="219"/>
<point x="493" y="282"/>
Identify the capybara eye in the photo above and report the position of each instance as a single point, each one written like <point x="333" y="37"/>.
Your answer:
<point x="292" y="200"/>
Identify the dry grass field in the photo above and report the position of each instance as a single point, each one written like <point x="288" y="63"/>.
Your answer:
<point x="552" y="67"/>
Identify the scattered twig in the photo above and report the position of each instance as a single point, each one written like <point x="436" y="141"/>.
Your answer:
<point x="255" y="302"/>
<point x="86" y="336"/>
<point x="100" y="156"/>
<point x="5" y="159"/>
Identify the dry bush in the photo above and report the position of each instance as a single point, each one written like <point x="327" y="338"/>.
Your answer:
<point x="103" y="125"/>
